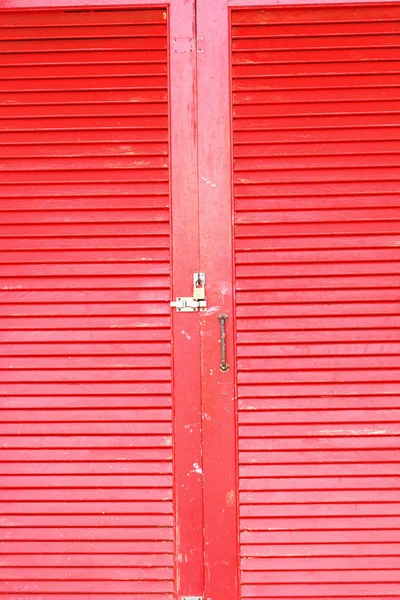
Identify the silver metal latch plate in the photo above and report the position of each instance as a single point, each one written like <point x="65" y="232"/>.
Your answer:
<point x="192" y="598"/>
<point x="195" y="302"/>
<point x="188" y="304"/>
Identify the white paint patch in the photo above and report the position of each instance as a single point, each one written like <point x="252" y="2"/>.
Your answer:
<point x="224" y="288"/>
<point x="209" y="182"/>
<point x="213" y="309"/>
<point x="197" y="469"/>
<point x="355" y="432"/>
<point x="189" y="426"/>
<point x="186" y="334"/>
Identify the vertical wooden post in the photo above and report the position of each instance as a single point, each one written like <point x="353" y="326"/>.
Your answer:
<point x="186" y="335"/>
<point x="219" y="398"/>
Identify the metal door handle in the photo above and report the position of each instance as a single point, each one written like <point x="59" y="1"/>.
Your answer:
<point x="223" y="367"/>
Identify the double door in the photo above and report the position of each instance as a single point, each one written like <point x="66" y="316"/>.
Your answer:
<point x="141" y="145"/>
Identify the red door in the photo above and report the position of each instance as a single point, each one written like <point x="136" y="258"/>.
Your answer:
<point x="89" y="401"/>
<point x="142" y="144"/>
<point x="312" y="96"/>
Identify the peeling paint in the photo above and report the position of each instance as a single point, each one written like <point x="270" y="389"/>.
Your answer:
<point x="213" y="309"/>
<point x="209" y="182"/>
<point x="224" y="288"/>
<point x="361" y="432"/>
<point x="230" y="498"/>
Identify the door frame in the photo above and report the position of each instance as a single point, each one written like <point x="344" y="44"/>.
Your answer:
<point x="185" y="334"/>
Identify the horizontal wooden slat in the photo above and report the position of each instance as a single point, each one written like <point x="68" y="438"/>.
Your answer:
<point x="345" y="577"/>
<point x="77" y="243"/>
<point x="63" y="136"/>
<point x="343" y="309"/>
<point x="112" y="573"/>
<point x="330" y="14"/>
<point x="89" y="469"/>
<point x="251" y="165"/>
<point x="83" y="587"/>
<point x="40" y="561"/>
<point x="85" y="282"/>
<point x="48" y="459"/>
<point x="81" y="18"/>
<point x="54" y="534"/>
<point x="330" y="563"/>
<point x="77" y="30"/>
<point x="65" y="44"/>
<point x="113" y="386"/>
<point x="81" y="163"/>
<point x="80" y="56"/>
<point x="158" y="510"/>
<point x="333" y="132"/>
<point x="311" y="149"/>
<point x="143" y="499"/>
<point x="263" y="39"/>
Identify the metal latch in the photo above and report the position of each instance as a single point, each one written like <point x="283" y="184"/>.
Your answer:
<point x="192" y="598"/>
<point x="195" y="302"/>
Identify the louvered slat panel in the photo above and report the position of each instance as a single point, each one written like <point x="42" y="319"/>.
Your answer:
<point x="316" y="105"/>
<point x="85" y="458"/>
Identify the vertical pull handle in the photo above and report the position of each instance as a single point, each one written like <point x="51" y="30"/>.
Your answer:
<point x="223" y="367"/>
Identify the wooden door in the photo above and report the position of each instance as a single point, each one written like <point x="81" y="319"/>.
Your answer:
<point x="302" y="133"/>
<point x="100" y="493"/>
<point x="142" y="143"/>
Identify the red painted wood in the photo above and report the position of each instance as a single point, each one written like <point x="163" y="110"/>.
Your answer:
<point x="189" y="523"/>
<point x="117" y="422"/>
<point x="218" y="389"/>
<point x="316" y="234"/>
<point x="100" y="493"/>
